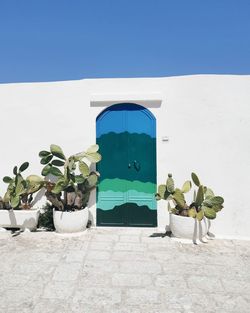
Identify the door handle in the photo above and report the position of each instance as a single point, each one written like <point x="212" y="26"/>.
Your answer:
<point x="137" y="166"/>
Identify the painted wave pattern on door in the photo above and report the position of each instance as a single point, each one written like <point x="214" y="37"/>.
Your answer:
<point x="115" y="189"/>
<point x="128" y="180"/>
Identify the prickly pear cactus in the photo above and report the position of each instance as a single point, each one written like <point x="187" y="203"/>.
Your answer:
<point x="74" y="180"/>
<point x="19" y="192"/>
<point x="205" y="203"/>
<point x="170" y="193"/>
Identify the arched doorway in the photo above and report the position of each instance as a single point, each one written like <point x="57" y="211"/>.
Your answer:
<point x="126" y="134"/>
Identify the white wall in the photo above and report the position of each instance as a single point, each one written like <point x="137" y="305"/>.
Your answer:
<point x="205" y="117"/>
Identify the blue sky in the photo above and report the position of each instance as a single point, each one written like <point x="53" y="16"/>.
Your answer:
<point x="47" y="40"/>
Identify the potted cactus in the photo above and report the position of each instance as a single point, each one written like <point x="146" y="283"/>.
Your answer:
<point x="190" y="221"/>
<point x="69" y="182"/>
<point x="16" y="205"/>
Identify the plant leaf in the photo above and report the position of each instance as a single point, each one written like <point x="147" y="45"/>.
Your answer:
<point x="84" y="169"/>
<point x="217" y="200"/>
<point x="186" y="186"/>
<point x="207" y="202"/>
<point x="58" y="163"/>
<point x="6" y="197"/>
<point x="24" y="166"/>
<point x="21" y="185"/>
<point x="192" y="213"/>
<point x="60" y="185"/>
<point x="195" y="179"/>
<point x="14" y="201"/>
<point x="92" y="149"/>
<point x="200" y="196"/>
<point x="170" y="184"/>
<point x="57" y="189"/>
<point x="209" y="213"/>
<point x="93" y="157"/>
<point x="92" y="180"/>
<point x="34" y="183"/>
<point x="209" y="193"/>
<point x="47" y="159"/>
<point x="46" y="170"/>
<point x="34" y="179"/>
<point x="179" y="198"/>
<point x="79" y="179"/>
<point x="57" y="151"/>
<point x="15" y="170"/>
<point x="7" y="179"/>
<point x="200" y="215"/>
<point x="55" y="171"/>
<point x="161" y="191"/>
<point x="217" y="207"/>
<point x="43" y="153"/>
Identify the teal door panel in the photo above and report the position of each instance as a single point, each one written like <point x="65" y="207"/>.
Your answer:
<point x="125" y="195"/>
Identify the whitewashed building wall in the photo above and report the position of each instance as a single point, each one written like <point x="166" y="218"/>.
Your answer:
<point x="203" y="125"/>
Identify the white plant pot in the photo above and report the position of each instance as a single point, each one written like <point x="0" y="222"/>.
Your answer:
<point x="188" y="227"/>
<point x="24" y="219"/>
<point x="70" y="222"/>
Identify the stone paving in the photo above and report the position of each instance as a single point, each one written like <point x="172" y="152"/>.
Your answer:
<point x="122" y="270"/>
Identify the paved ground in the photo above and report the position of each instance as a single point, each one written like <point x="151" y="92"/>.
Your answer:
<point x="122" y="270"/>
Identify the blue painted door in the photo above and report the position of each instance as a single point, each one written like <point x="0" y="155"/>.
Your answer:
<point x="125" y="195"/>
